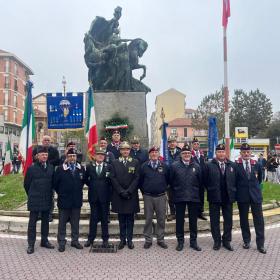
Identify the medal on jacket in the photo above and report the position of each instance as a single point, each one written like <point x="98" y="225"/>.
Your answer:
<point x="160" y="169"/>
<point x="193" y="169"/>
<point x="231" y="169"/>
<point x="131" y="169"/>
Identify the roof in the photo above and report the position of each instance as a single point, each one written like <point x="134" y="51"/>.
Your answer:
<point x="8" y="54"/>
<point x="171" y="90"/>
<point x="189" y="111"/>
<point x="180" y="122"/>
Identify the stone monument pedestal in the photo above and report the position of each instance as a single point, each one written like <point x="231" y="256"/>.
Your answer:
<point x="127" y="104"/>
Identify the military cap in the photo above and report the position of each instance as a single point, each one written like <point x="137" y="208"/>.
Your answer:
<point x="186" y="148"/>
<point x="135" y="140"/>
<point x="99" y="151"/>
<point x="115" y="131"/>
<point x="220" y="147"/>
<point x="102" y="138"/>
<point x="154" y="149"/>
<point x="71" y="143"/>
<point x="172" y="138"/>
<point x="245" y="147"/>
<point x="125" y="145"/>
<point x="42" y="149"/>
<point x="71" y="151"/>
<point x="195" y="140"/>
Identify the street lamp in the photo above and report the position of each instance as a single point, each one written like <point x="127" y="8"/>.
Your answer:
<point x="64" y="84"/>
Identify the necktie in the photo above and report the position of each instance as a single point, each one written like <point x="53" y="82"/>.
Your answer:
<point x="124" y="162"/>
<point x="247" y="169"/>
<point x="223" y="168"/>
<point x="99" y="169"/>
<point x="197" y="154"/>
<point x="154" y="165"/>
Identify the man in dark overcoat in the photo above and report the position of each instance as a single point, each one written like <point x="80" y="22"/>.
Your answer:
<point x="69" y="181"/>
<point x="114" y="146"/>
<point x="99" y="195"/>
<point x="125" y="200"/>
<point x="221" y="193"/>
<point x="185" y="180"/>
<point x="38" y="184"/>
<point x="249" y="194"/>
<point x="137" y="151"/>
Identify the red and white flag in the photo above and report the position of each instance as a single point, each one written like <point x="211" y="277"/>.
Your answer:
<point x="226" y="12"/>
<point x="8" y="159"/>
<point x="27" y="135"/>
<point x="91" y="128"/>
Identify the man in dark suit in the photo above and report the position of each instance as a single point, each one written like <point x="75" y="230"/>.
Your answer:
<point x="137" y="152"/>
<point x="103" y="144"/>
<point x="173" y="155"/>
<point x="38" y="184"/>
<point x="114" y="146"/>
<point x="125" y="200"/>
<point x="69" y="181"/>
<point x="199" y="158"/>
<point x="249" y="194"/>
<point x="185" y="180"/>
<point x="99" y="193"/>
<point x="221" y="192"/>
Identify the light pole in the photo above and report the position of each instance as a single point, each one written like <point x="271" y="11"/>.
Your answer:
<point x="64" y="85"/>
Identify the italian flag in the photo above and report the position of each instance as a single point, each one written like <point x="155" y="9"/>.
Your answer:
<point x="28" y="130"/>
<point x="8" y="159"/>
<point x="91" y="129"/>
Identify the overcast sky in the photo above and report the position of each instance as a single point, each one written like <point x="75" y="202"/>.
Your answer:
<point x="184" y="36"/>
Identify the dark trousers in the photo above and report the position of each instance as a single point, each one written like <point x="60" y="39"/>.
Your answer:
<point x="65" y="215"/>
<point x="193" y="208"/>
<point x="214" y="209"/>
<point x="98" y="212"/>
<point x="31" y="232"/>
<point x="201" y="197"/>
<point x="126" y="224"/>
<point x="171" y="203"/>
<point x="256" y="209"/>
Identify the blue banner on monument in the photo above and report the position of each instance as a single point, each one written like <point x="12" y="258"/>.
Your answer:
<point x="65" y="112"/>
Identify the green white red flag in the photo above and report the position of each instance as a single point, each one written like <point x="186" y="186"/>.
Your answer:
<point x="91" y="128"/>
<point x="27" y="135"/>
<point x="8" y="159"/>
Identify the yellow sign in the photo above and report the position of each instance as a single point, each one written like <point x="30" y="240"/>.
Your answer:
<point x="241" y="132"/>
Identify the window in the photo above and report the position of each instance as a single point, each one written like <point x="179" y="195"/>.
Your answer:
<point x="10" y="130"/>
<point x="173" y="131"/>
<point x="6" y="115"/>
<point x="15" y="85"/>
<point x="7" y="65"/>
<point x="6" y="97"/>
<point x="15" y="119"/>
<point x="7" y="82"/>
<point x="1" y="129"/>
<point x="185" y="132"/>
<point x="15" y="69"/>
<point x="6" y="130"/>
<point x="15" y="100"/>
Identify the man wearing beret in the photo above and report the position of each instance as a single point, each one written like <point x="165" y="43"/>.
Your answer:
<point x="69" y="180"/>
<point x="125" y="200"/>
<point x="249" y="194"/>
<point x="99" y="194"/>
<point x="103" y="144"/>
<point x="185" y="180"/>
<point x="114" y="146"/>
<point x="137" y="152"/>
<point x="221" y="192"/>
<point x="154" y="176"/>
<point x="71" y="145"/>
<point x="173" y="155"/>
<point x="38" y="184"/>
<point x="198" y="157"/>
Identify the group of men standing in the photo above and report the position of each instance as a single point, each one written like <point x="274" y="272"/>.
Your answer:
<point x="120" y="169"/>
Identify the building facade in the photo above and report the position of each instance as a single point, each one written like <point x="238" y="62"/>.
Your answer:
<point x="13" y="76"/>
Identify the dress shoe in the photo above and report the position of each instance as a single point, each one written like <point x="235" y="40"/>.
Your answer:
<point x="105" y="244"/>
<point x="162" y="244"/>
<point x="262" y="250"/>
<point x="147" y="245"/>
<point x="130" y="245"/>
<point x="195" y="247"/>
<point x="170" y="218"/>
<point x="88" y="243"/>
<point x="61" y="248"/>
<point x="47" y="245"/>
<point x="246" y="245"/>
<point x="217" y="246"/>
<point x="76" y="245"/>
<point x="180" y="246"/>
<point x="202" y="217"/>
<point x="30" y="249"/>
<point x="121" y="244"/>
<point x="227" y="246"/>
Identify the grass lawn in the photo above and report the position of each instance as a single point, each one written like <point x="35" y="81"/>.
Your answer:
<point x="12" y="188"/>
<point x="271" y="192"/>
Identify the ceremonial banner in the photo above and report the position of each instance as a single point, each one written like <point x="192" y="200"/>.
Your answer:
<point x="164" y="144"/>
<point x="212" y="136"/>
<point x="65" y="112"/>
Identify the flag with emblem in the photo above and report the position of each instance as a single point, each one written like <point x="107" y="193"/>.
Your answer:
<point x="27" y="135"/>
<point x="8" y="159"/>
<point x="91" y="128"/>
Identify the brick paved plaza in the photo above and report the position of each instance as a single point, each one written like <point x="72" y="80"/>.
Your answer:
<point x="155" y="263"/>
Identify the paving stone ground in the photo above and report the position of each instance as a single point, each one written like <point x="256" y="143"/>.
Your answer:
<point x="155" y="263"/>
